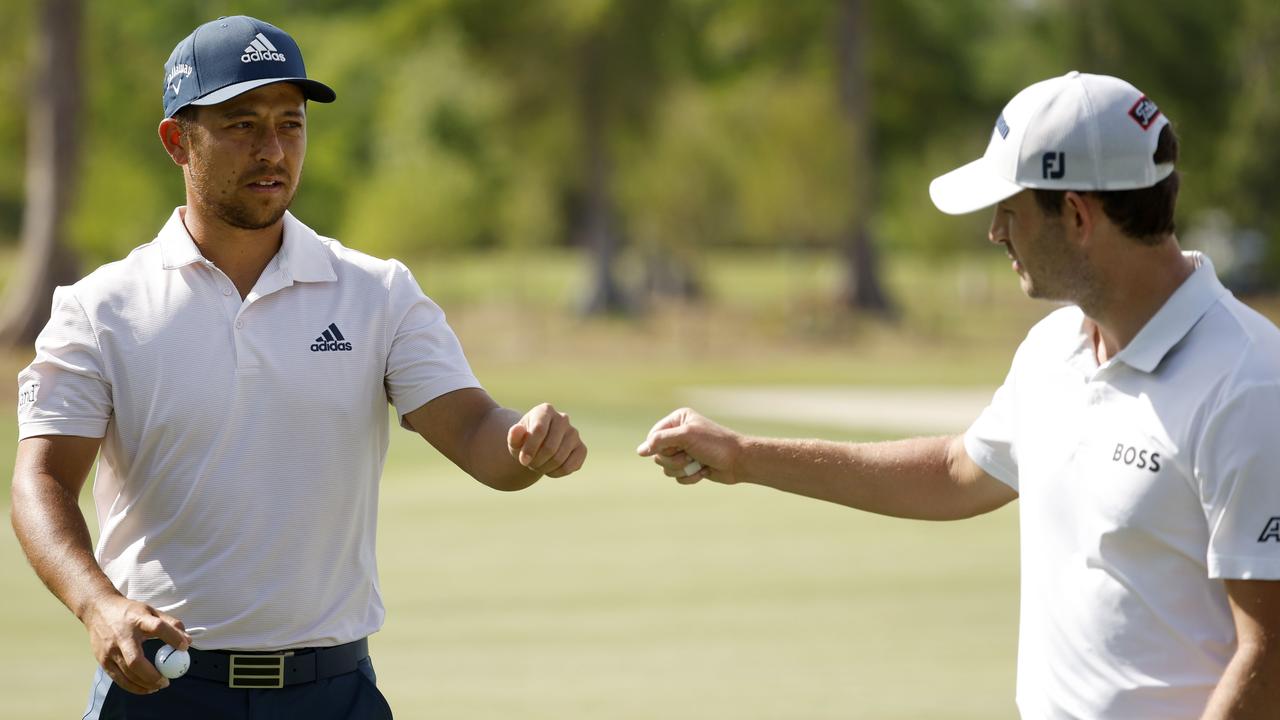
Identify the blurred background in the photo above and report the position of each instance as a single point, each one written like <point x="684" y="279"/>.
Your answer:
<point x="625" y="206"/>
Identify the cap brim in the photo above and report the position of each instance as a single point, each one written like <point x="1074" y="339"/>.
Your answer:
<point x="970" y="187"/>
<point x="311" y="89"/>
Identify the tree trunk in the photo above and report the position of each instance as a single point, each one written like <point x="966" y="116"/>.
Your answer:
<point x="862" y="289"/>
<point x="52" y="145"/>
<point x="598" y="222"/>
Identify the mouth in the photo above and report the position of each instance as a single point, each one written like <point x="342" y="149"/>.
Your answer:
<point x="267" y="185"/>
<point x="1008" y="251"/>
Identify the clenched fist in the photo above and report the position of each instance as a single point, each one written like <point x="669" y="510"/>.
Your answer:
<point x="546" y="442"/>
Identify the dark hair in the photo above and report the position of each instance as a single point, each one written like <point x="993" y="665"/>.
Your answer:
<point x="1145" y="214"/>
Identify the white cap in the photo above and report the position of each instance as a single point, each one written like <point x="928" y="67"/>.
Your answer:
<point x="1075" y="132"/>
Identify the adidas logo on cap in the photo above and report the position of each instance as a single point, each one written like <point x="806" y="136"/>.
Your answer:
<point x="261" y="49"/>
<point x="331" y="340"/>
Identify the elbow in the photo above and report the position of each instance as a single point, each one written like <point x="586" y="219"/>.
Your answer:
<point x="512" y="482"/>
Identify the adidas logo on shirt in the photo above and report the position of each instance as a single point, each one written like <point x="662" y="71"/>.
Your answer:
<point x="261" y="49"/>
<point x="331" y="340"/>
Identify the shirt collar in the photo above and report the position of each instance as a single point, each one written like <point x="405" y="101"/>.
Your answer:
<point x="176" y="246"/>
<point x="302" y="256"/>
<point x="1176" y="317"/>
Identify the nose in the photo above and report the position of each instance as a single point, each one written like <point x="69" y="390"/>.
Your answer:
<point x="269" y="147"/>
<point x="998" y="232"/>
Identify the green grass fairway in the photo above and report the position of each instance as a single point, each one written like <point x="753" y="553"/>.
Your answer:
<point x="619" y="594"/>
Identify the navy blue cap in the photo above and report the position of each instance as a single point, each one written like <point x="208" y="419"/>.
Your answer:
<point x="232" y="55"/>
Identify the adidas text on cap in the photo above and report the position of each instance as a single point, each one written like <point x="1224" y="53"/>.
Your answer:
<point x="232" y="55"/>
<point x="1075" y="132"/>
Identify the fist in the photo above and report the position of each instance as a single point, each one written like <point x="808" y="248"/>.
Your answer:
<point x="545" y="442"/>
<point x="689" y="447"/>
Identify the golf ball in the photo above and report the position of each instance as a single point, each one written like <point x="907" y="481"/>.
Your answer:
<point x="172" y="663"/>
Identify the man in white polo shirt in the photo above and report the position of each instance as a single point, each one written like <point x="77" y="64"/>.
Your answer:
<point x="234" y="374"/>
<point x="1137" y="427"/>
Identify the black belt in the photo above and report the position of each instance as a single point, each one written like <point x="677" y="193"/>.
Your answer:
<point x="262" y="670"/>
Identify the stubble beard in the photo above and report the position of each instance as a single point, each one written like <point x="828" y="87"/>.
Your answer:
<point x="245" y="216"/>
<point x="1061" y="274"/>
<point x="239" y="214"/>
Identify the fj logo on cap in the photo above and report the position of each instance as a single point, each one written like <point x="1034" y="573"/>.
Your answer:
<point x="1144" y="112"/>
<point x="261" y="49"/>
<point x="1002" y="127"/>
<point x="1054" y="165"/>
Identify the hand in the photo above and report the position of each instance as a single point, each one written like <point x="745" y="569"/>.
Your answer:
<point x="545" y="442"/>
<point x="117" y="626"/>
<point x="689" y="447"/>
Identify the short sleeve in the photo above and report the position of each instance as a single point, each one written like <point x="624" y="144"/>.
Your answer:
<point x="65" y="390"/>
<point x="990" y="439"/>
<point x="1237" y="468"/>
<point x="424" y="359"/>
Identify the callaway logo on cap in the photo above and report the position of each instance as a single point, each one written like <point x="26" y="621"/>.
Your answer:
<point x="1075" y="132"/>
<point x="232" y="55"/>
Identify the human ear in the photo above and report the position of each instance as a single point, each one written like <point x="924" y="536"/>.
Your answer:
<point x="174" y="140"/>
<point x="1079" y="214"/>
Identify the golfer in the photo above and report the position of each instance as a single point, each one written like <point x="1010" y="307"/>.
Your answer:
<point x="1137" y="426"/>
<point x="232" y="378"/>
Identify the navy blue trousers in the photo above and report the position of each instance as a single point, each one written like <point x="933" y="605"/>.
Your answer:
<point x="353" y="696"/>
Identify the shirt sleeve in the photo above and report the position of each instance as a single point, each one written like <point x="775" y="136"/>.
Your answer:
<point x="1237" y="468"/>
<point x="425" y="359"/>
<point x="990" y="439"/>
<point x="65" y="390"/>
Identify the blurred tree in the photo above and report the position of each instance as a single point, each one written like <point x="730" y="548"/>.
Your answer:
<point x="811" y="176"/>
<point x="863" y="289"/>
<point x="605" y="60"/>
<point x="675" y="124"/>
<point x="53" y="142"/>
<point x="598" y="222"/>
<point x="15" y="76"/>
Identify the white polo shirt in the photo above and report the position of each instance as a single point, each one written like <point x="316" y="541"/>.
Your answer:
<point x="243" y="441"/>
<point x="1143" y="483"/>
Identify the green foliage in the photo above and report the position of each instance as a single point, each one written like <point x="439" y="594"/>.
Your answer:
<point x="761" y="161"/>
<point x="459" y="122"/>
<point x="1248" y="155"/>
<point x="434" y="173"/>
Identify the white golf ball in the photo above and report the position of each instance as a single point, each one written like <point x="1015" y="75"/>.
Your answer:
<point x="172" y="663"/>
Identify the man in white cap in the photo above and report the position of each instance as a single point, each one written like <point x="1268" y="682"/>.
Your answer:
<point x="1137" y="427"/>
<point x="235" y="373"/>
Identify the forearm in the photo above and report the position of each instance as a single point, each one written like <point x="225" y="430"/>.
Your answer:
<point x="1249" y="689"/>
<point x="485" y="439"/>
<point x="488" y="459"/>
<point x="52" y="532"/>
<point x="921" y="478"/>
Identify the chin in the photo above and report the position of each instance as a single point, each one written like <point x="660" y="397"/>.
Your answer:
<point x="252" y="218"/>
<point x="1028" y="287"/>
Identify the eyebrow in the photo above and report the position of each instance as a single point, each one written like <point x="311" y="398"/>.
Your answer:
<point x="250" y="112"/>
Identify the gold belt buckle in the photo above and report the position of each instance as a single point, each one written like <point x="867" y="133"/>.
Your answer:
<point x="257" y="672"/>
